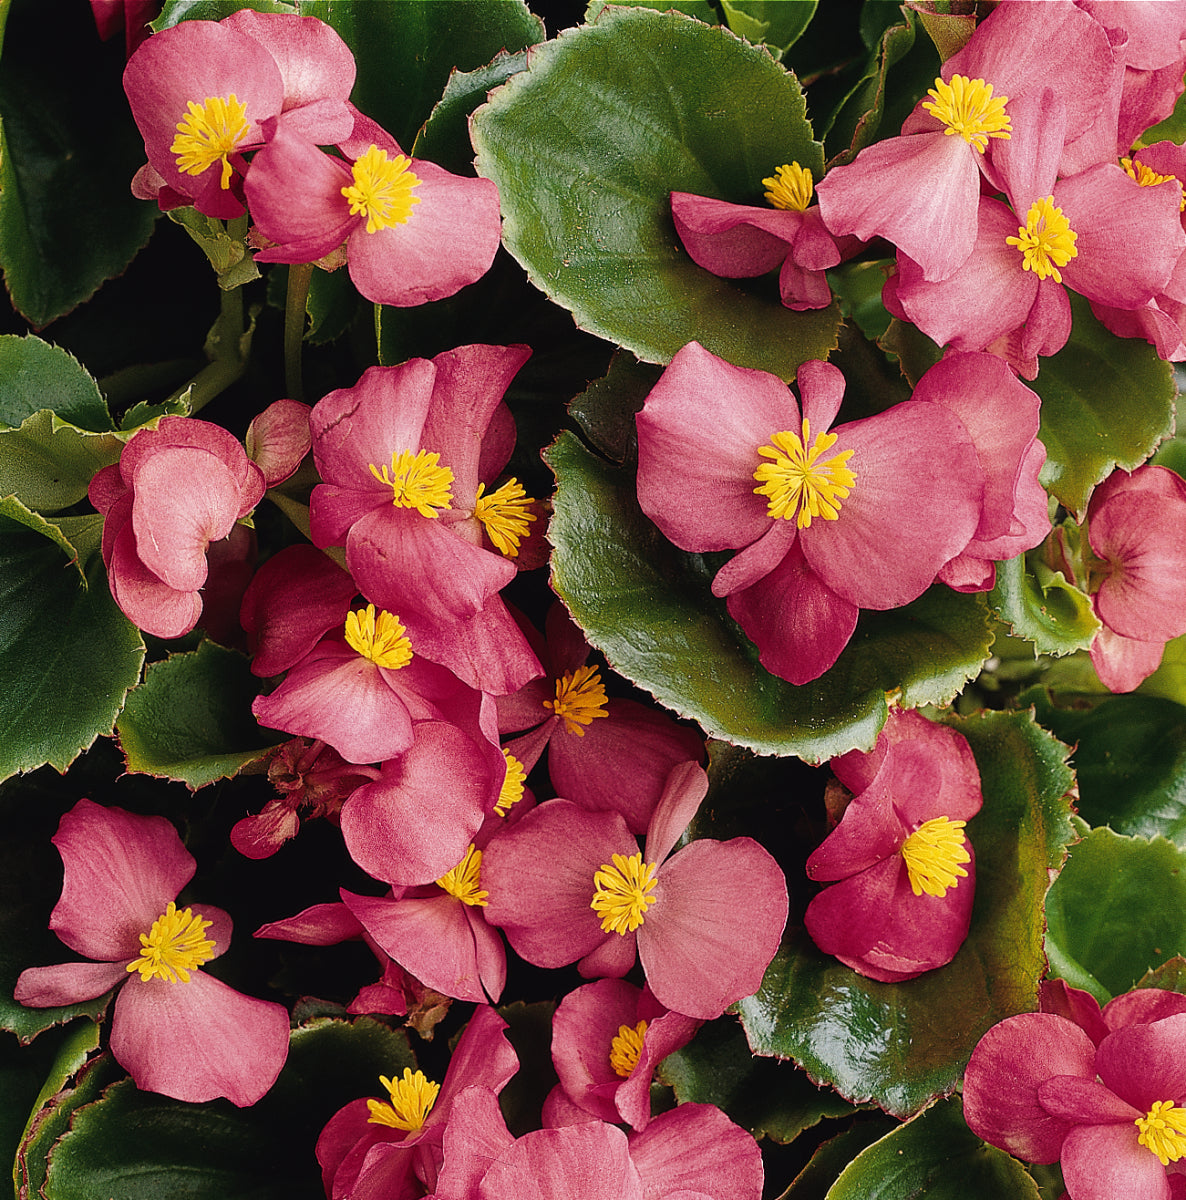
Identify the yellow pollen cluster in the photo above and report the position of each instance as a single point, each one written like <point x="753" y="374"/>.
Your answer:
<point x="208" y="133"/>
<point x="800" y="483"/>
<point x="383" y="190"/>
<point x="175" y="945"/>
<point x="933" y="853"/>
<point x="1163" y="1130"/>
<point x="412" y="1098"/>
<point x="1046" y="240"/>
<point x="417" y="481"/>
<point x="1147" y="177"/>
<point x="464" y="879"/>
<point x="506" y="514"/>
<point x="511" y="791"/>
<point x="622" y="893"/>
<point x="968" y="107"/>
<point x="381" y="639"/>
<point x="580" y="696"/>
<point x="626" y="1047"/>
<point x="790" y="187"/>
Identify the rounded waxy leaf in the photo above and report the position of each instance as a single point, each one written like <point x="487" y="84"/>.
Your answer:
<point x="902" y="1044"/>
<point x="648" y="607"/>
<point x="586" y="147"/>
<point x="1043" y="607"/>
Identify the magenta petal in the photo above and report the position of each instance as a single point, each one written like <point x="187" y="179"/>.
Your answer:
<point x="683" y="790"/>
<point x="869" y="831"/>
<point x="67" y="983"/>
<point x="475" y="1136"/>
<point x="318" y="925"/>
<point x="1145" y="1063"/>
<point x="583" y="1029"/>
<point x="483" y="1056"/>
<point x="715" y="926"/>
<point x="573" y="1163"/>
<point x="198" y="1040"/>
<point x="1122" y="663"/>
<point x="725" y="239"/>
<point x="695" y="1148"/>
<point x="1101" y="1162"/>
<point x="753" y="564"/>
<point x="665" y="1033"/>
<point x="145" y="599"/>
<point x="1140" y="1007"/>
<point x="1084" y="1101"/>
<point x="279" y="438"/>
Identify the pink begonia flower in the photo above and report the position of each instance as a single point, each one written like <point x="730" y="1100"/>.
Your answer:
<point x="175" y="1029"/>
<point x="864" y="516"/>
<point x="278" y="439"/>
<point x="617" y="763"/>
<point x="1138" y="1007"/>
<point x="738" y="241"/>
<point x="175" y="490"/>
<point x="377" y="1150"/>
<point x="413" y="231"/>
<point x="607" y="1039"/>
<point x="201" y="90"/>
<point x="401" y="455"/>
<point x="920" y="190"/>
<point x="1113" y="1115"/>
<point x="566" y="884"/>
<point x="906" y="872"/>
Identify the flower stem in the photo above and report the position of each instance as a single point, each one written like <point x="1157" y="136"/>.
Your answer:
<point x="299" y="275"/>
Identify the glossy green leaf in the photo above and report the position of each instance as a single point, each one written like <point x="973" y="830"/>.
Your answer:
<point x="1117" y="910"/>
<point x="902" y="1044"/>
<point x="1107" y="401"/>
<point x="702" y="10"/>
<point x="588" y="144"/>
<point x="68" y="151"/>
<point x="774" y="23"/>
<point x="1170" y="976"/>
<point x="35" y="376"/>
<point x="141" y="1146"/>
<point x="936" y="1155"/>
<point x="1041" y="606"/>
<point x="814" y="1181"/>
<point x="191" y="718"/>
<point x="1169" y="680"/>
<point x="174" y="11"/>
<point x="1130" y="761"/>
<point x="68" y="652"/>
<point x="648" y="607"/>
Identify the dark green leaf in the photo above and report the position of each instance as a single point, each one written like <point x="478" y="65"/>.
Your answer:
<point x="1169" y="680"/>
<point x="332" y="304"/>
<point x="816" y="1179"/>
<point x="1041" y="606"/>
<point x="902" y="1044"/>
<point x="35" y="376"/>
<point x="702" y="10"/>
<point x="175" y="11"/>
<point x="773" y="22"/>
<point x="1170" y="976"/>
<point x="588" y="144"/>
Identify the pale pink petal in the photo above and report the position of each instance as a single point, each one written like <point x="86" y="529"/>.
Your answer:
<point x="1124" y="663"/>
<point x="1102" y="1162"/>
<point x="279" y="437"/>
<point x="684" y="788"/>
<point x="319" y="925"/>
<point x="145" y="599"/>
<point x="733" y="241"/>
<point x="573" y="1163"/>
<point x="695" y="1148"/>
<point x="1145" y="1063"/>
<point x="67" y="983"/>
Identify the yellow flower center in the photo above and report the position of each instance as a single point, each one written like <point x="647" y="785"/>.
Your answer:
<point x="580" y="696"/>
<point x="381" y="639"/>
<point x="800" y="483"/>
<point x="175" y="945"/>
<point x="1147" y="177"/>
<point x="622" y="893"/>
<point x="968" y="107"/>
<point x="464" y="879"/>
<point x="626" y="1047"/>
<point x="506" y="514"/>
<point x="417" y="481"/>
<point x="383" y="190"/>
<point x="208" y="133"/>
<point x="412" y="1098"/>
<point x="511" y="791"/>
<point x="1046" y="240"/>
<point x="933" y="853"/>
<point x="789" y="187"/>
<point x="1163" y="1130"/>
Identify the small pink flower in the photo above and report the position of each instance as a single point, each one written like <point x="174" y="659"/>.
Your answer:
<point x="175" y="1029"/>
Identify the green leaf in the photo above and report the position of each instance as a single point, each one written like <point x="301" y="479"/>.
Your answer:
<point x="68" y="151"/>
<point x="649" y="608"/>
<point x="1130" y="762"/>
<point x="1169" y="680"/>
<point x="773" y="22"/>
<point x="233" y="265"/>
<point x="191" y="718"/>
<point x="936" y="1155"/>
<point x="1106" y="402"/>
<point x="702" y="10"/>
<point x="141" y="1146"/>
<point x="902" y="1044"/>
<point x="814" y="1181"/>
<point x="35" y="377"/>
<point x="69" y="654"/>
<point x="1117" y="910"/>
<point x="588" y="144"/>
<point x="175" y="11"/>
<point x="1041" y="606"/>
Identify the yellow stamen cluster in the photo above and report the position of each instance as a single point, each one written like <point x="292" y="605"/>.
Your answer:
<point x="383" y="190"/>
<point x="208" y="133"/>
<point x="511" y="791"/>
<point x="464" y="880"/>
<point x="1046" y="240"/>
<point x="1147" y="177"/>
<point x="412" y="1098"/>
<point x="968" y="107"/>
<point x="622" y="893"/>
<point x="381" y="639"/>
<point x="933" y="853"/>
<point x="580" y="697"/>
<point x="625" y="1048"/>
<point x="175" y="945"/>
<point x="800" y="483"/>
<point x="417" y="481"/>
<point x="790" y="187"/>
<point x="1163" y="1130"/>
<point x="506" y="514"/>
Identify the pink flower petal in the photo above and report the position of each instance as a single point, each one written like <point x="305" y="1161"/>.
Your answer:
<point x="145" y="599"/>
<point x="734" y="241"/>
<point x="319" y="925"/>
<point x="67" y="983"/>
<point x="696" y="1148"/>
<point x="573" y="1163"/>
<point x="583" y="1029"/>
<point x="1101" y="1162"/>
<point x="684" y="788"/>
<point x="279" y="438"/>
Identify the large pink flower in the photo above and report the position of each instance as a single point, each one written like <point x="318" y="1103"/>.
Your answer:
<point x="175" y="1029"/>
<point x="863" y="516"/>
